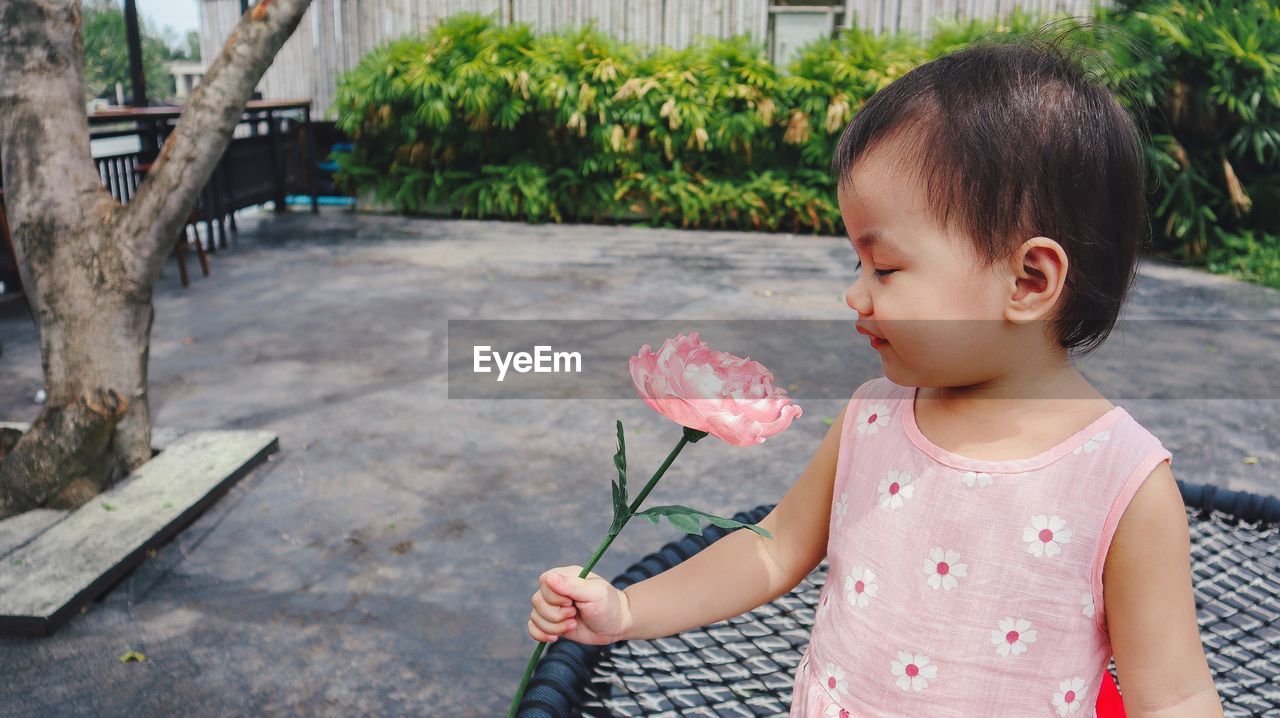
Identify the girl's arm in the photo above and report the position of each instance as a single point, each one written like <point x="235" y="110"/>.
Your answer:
<point x="742" y="570"/>
<point x="1151" y="611"/>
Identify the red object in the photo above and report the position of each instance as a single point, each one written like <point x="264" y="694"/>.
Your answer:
<point x="1109" y="704"/>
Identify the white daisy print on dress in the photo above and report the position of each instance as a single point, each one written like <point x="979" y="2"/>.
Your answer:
<point x="1086" y="602"/>
<point x="833" y="681"/>
<point x="975" y="478"/>
<point x="823" y="604"/>
<point x="1012" y="636"/>
<point x="1070" y="696"/>
<point x="835" y="711"/>
<point x="1046" y="535"/>
<point x="872" y="418"/>
<point x="860" y="586"/>
<point x="913" y="671"/>
<point x="943" y="568"/>
<point x="895" y="489"/>
<point x="1094" y="443"/>
<point x="842" y="507"/>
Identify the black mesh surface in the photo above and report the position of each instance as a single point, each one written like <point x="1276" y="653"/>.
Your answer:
<point x="745" y="666"/>
<point x="1236" y="578"/>
<point x="740" y="667"/>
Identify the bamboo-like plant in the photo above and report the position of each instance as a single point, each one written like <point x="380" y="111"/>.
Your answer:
<point x="478" y="119"/>
<point x="1208" y="75"/>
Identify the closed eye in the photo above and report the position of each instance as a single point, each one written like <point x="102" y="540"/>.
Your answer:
<point x="881" y="273"/>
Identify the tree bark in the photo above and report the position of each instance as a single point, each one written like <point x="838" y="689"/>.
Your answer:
<point x="87" y="263"/>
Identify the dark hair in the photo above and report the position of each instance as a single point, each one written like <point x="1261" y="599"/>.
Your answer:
<point x="1016" y="140"/>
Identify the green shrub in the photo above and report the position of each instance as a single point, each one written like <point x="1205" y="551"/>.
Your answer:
<point x="1207" y="76"/>
<point x="1253" y="258"/>
<point x="483" y="120"/>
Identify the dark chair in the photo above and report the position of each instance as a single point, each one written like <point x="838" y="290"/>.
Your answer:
<point x="745" y="666"/>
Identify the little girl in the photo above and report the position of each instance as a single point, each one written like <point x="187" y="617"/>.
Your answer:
<point x="996" y="530"/>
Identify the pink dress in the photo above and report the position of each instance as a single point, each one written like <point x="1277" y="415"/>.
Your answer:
<point x="962" y="587"/>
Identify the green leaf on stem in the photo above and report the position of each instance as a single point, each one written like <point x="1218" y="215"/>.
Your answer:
<point x="620" y="460"/>
<point x="688" y="520"/>
<point x="621" y="511"/>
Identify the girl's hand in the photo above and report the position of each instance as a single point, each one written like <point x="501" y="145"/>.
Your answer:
<point x="584" y="610"/>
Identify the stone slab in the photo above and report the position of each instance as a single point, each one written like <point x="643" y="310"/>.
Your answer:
<point x="76" y="556"/>
<point x="17" y="531"/>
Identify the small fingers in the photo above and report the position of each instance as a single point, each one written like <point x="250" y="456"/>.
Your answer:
<point x="545" y="636"/>
<point x="539" y="635"/>
<point x="549" y="627"/>
<point x="550" y="611"/>
<point x="549" y="594"/>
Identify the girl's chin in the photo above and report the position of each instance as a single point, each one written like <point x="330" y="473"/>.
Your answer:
<point x="895" y="372"/>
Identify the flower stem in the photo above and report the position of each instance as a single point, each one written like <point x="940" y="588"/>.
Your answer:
<point x="690" y="436"/>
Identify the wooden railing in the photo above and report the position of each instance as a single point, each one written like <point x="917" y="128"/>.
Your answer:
<point x="270" y="156"/>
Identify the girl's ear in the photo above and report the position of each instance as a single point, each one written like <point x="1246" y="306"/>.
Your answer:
<point x="1039" y="272"/>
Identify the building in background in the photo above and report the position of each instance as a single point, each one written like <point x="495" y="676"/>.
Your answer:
<point x="335" y="34"/>
<point x="186" y="75"/>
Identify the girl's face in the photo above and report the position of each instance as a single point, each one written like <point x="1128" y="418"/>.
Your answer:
<point x="932" y="309"/>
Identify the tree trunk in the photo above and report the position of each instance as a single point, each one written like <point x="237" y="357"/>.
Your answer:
<point x="87" y="263"/>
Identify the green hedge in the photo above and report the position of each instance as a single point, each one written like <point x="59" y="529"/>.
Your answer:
<point x="483" y="120"/>
<point x="1208" y="85"/>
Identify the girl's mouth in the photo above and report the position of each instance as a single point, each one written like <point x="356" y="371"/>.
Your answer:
<point x="876" y="342"/>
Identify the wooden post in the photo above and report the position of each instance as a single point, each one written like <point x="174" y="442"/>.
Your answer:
<point x="134" y="40"/>
<point x="277" y="176"/>
<point x="848" y="21"/>
<point x="309" y="157"/>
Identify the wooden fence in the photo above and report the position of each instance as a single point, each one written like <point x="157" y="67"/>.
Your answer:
<point x="335" y="34"/>
<point x="915" y="15"/>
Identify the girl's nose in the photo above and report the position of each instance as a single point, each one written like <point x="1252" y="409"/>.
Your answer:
<point x="857" y="297"/>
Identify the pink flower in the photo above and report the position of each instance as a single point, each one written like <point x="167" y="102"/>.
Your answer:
<point x="729" y="397"/>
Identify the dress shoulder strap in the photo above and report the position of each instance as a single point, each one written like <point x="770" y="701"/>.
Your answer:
<point x="1134" y="453"/>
